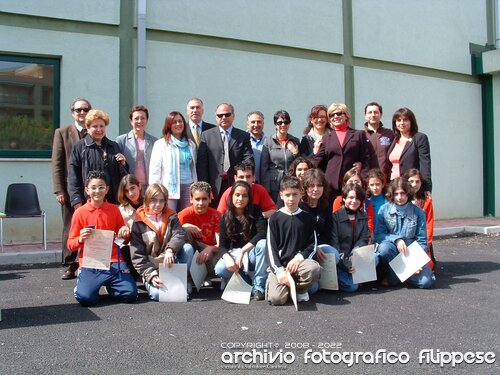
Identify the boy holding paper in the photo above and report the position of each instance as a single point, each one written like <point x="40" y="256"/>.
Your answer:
<point x="399" y="223"/>
<point x="101" y="215"/>
<point x="291" y="245"/>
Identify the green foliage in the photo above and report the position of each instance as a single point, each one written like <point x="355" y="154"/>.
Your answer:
<point x="24" y="133"/>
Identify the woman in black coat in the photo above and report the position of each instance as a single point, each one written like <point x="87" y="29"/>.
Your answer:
<point x="95" y="152"/>
<point x="410" y="149"/>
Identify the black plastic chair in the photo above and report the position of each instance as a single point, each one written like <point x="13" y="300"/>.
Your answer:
<point x="22" y="202"/>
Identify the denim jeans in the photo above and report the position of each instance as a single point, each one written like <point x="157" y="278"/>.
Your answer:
<point x="387" y="251"/>
<point x="257" y="261"/>
<point x="327" y="249"/>
<point x="184" y="256"/>
<point x="118" y="281"/>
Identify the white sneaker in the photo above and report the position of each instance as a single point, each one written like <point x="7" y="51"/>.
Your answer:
<point x="302" y="297"/>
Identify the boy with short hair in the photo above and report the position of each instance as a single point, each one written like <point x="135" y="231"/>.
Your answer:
<point x="201" y="223"/>
<point x="291" y="244"/>
<point x="97" y="213"/>
<point x="245" y="171"/>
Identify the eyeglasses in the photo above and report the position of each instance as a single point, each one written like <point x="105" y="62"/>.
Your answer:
<point x="97" y="188"/>
<point x="337" y="114"/>
<point x="222" y="115"/>
<point x="282" y="123"/>
<point x="80" y="110"/>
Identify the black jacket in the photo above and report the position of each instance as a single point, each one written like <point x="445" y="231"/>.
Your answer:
<point x="87" y="156"/>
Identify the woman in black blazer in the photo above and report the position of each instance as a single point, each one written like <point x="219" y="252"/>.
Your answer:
<point x="410" y="149"/>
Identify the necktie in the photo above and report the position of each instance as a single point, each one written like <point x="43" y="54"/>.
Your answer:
<point x="196" y="136"/>
<point x="226" y="151"/>
<point x="83" y="133"/>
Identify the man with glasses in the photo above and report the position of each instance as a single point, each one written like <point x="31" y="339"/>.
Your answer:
<point x="64" y="139"/>
<point x="196" y="124"/>
<point x="221" y="148"/>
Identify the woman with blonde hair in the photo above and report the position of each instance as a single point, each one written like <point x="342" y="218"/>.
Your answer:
<point x="95" y="152"/>
<point x="342" y="149"/>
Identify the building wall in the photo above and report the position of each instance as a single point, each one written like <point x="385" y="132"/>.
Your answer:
<point x="268" y="55"/>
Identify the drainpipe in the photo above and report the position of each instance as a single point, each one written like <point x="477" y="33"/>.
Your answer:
<point x="497" y="24"/>
<point x="141" y="53"/>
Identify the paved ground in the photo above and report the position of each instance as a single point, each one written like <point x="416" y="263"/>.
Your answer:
<point x="44" y="331"/>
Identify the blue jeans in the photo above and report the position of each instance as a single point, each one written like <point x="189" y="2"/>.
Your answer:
<point x="327" y="249"/>
<point x="387" y="252"/>
<point x="183" y="256"/>
<point x="118" y="281"/>
<point x="256" y="261"/>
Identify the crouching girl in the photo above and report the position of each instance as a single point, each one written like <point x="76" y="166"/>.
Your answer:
<point x="157" y="237"/>
<point x="399" y="223"/>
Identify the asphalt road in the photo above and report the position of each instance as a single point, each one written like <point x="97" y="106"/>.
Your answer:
<point x="44" y="331"/>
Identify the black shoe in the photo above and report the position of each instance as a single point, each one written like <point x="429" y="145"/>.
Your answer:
<point x="68" y="275"/>
<point x="258" y="296"/>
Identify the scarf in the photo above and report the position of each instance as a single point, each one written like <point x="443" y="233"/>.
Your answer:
<point x="142" y="215"/>
<point x="182" y="146"/>
<point x="314" y="135"/>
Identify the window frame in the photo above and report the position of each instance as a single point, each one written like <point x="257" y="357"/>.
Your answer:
<point x="56" y="63"/>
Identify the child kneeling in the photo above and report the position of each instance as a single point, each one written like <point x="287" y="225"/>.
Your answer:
<point x="99" y="214"/>
<point x="157" y="237"/>
<point x="291" y="244"/>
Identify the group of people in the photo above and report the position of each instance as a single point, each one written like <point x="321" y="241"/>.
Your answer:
<point x="270" y="208"/>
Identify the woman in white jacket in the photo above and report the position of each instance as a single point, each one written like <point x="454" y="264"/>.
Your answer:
<point x="173" y="162"/>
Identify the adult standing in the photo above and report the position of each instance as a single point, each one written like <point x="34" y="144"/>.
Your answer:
<point x="95" y="152"/>
<point x="255" y="126"/>
<point x="410" y="148"/>
<point x="278" y="153"/>
<point x="137" y="144"/>
<point x="173" y="162"/>
<point x="220" y="149"/>
<point x="195" y="110"/>
<point x="317" y="127"/>
<point x="64" y="139"/>
<point x="342" y="149"/>
<point x="380" y="139"/>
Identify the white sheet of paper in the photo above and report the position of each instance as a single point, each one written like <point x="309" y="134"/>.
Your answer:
<point x="363" y="262"/>
<point x="97" y="249"/>
<point x="406" y="265"/>
<point x="237" y="290"/>
<point x="174" y="283"/>
<point x="328" y="279"/>
<point x="293" y="290"/>
<point x="198" y="272"/>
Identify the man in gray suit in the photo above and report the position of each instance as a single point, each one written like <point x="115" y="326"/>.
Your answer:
<point x="196" y="125"/>
<point x="213" y="164"/>
<point x="64" y="139"/>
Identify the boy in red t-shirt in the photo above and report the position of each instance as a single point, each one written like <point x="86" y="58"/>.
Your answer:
<point x="201" y="223"/>
<point x="245" y="171"/>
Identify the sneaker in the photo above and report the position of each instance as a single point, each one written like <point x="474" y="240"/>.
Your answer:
<point x="258" y="295"/>
<point x="302" y="297"/>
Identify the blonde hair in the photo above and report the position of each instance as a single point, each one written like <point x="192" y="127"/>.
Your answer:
<point x="153" y="191"/>
<point x="95" y="114"/>
<point x="340" y="107"/>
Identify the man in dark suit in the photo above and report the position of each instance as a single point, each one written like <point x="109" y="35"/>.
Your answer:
<point x="215" y="166"/>
<point x="64" y="139"/>
<point x="196" y="124"/>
